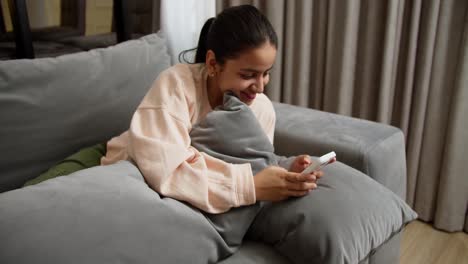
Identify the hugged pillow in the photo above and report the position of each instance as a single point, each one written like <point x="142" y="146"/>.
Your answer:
<point x="51" y="107"/>
<point x="343" y="221"/>
<point x="233" y="134"/>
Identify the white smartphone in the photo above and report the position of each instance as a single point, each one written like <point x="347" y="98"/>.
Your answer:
<point x="322" y="161"/>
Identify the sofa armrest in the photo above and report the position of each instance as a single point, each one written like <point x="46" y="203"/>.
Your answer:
<point x="375" y="149"/>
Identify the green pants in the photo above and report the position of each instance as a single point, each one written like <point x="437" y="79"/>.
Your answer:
<point x="85" y="158"/>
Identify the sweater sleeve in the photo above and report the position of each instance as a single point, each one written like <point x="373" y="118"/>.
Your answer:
<point x="159" y="143"/>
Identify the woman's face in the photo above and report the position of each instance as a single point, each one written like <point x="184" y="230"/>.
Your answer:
<point x="246" y="75"/>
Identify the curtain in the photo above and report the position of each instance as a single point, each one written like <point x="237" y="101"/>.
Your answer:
<point x="397" y="62"/>
<point x="181" y="22"/>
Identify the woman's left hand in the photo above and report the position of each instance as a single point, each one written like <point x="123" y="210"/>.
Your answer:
<point x="301" y="163"/>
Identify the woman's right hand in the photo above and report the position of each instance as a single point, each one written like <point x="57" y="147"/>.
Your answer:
<point x="276" y="184"/>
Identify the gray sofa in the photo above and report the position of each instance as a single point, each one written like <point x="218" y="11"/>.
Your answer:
<point x="52" y="107"/>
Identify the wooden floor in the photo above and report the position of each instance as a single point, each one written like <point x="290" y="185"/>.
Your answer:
<point x="423" y="244"/>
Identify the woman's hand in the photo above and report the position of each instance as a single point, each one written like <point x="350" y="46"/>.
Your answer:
<point x="275" y="184"/>
<point x="301" y="163"/>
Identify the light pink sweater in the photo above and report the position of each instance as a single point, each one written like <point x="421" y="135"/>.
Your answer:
<point x="158" y="142"/>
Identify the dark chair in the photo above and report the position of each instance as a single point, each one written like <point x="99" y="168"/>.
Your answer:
<point x="72" y="22"/>
<point x="7" y="44"/>
<point x="131" y="19"/>
<point x="24" y="42"/>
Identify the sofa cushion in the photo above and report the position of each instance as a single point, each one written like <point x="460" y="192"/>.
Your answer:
<point x="104" y="214"/>
<point x="52" y="107"/>
<point x="345" y="220"/>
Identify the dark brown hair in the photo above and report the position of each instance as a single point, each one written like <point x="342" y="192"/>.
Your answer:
<point x="233" y="31"/>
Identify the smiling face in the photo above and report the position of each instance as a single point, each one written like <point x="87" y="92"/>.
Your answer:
<point x="246" y="75"/>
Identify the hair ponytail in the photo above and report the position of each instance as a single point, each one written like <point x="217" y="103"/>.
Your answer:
<point x="233" y="31"/>
<point x="201" y="49"/>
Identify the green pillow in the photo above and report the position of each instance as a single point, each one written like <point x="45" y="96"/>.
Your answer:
<point x="84" y="158"/>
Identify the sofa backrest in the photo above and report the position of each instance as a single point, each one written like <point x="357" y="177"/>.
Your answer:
<point x="51" y="107"/>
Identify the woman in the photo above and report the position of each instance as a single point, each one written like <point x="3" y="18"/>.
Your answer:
<point x="235" y="53"/>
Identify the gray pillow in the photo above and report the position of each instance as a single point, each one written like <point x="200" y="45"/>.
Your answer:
<point x="104" y="214"/>
<point x="52" y="107"/>
<point x="344" y="220"/>
<point x="347" y="217"/>
<point x="232" y="133"/>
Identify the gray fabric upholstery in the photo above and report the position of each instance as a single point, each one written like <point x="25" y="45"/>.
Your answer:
<point x="347" y="217"/>
<point x="375" y="149"/>
<point x="258" y="253"/>
<point x="232" y="133"/>
<point x="52" y="107"/>
<point x="387" y="253"/>
<point x="110" y="213"/>
<point x="104" y="214"/>
<point x="252" y="252"/>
